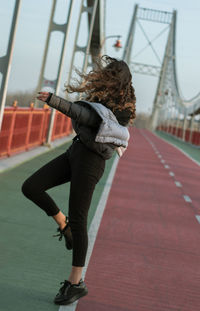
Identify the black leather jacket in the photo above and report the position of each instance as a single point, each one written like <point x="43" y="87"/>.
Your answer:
<point x="86" y="122"/>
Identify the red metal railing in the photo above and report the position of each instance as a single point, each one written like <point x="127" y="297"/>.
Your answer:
<point x="25" y="128"/>
<point x="193" y="138"/>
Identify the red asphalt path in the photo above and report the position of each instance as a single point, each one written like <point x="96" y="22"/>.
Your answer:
<point x="147" y="252"/>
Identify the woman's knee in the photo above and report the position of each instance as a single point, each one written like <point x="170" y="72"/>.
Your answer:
<point x="27" y="188"/>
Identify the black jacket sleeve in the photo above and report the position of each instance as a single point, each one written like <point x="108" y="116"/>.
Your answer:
<point x="81" y="114"/>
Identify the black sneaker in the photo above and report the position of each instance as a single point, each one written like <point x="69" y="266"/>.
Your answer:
<point x="69" y="293"/>
<point x="66" y="232"/>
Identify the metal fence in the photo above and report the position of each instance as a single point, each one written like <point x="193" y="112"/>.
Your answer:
<point x="187" y="135"/>
<point x="25" y="128"/>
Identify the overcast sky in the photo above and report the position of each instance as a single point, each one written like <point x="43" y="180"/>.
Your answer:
<point x="32" y="31"/>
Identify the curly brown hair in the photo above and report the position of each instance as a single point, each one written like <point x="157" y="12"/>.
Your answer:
<point x="109" y="83"/>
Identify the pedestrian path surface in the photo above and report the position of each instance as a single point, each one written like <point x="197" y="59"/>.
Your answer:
<point x="147" y="252"/>
<point x="191" y="150"/>
<point x="32" y="262"/>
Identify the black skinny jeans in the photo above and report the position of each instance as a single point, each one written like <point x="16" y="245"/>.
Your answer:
<point x="83" y="168"/>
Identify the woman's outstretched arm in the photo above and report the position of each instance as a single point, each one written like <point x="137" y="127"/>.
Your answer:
<point x="83" y="115"/>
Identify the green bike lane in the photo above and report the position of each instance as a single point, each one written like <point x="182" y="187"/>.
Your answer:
<point x="32" y="262"/>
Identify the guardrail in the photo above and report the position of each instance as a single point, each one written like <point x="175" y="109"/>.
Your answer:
<point x="187" y="135"/>
<point x="25" y="128"/>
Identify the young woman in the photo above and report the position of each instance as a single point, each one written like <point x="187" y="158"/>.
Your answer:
<point x="100" y="122"/>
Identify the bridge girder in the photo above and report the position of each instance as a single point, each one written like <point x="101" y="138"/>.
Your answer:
<point x="98" y="32"/>
<point x="168" y="93"/>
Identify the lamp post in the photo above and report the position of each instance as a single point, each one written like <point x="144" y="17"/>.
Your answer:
<point x="117" y="45"/>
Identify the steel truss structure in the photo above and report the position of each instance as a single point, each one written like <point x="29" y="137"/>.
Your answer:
<point x="95" y="14"/>
<point x="6" y="60"/>
<point x="168" y="102"/>
<point x="95" y="10"/>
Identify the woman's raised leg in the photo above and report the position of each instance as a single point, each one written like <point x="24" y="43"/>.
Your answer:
<point x="53" y="173"/>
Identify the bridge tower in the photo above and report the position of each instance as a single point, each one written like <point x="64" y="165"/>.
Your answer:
<point x="95" y="29"/>
<point x="6" y="60"/>
<point x="168" y="102"/>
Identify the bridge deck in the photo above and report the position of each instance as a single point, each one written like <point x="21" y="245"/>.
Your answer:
<point x="146" y="255"/>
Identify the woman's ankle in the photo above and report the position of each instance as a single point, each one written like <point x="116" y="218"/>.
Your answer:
<point x="62" y="225"/>
<point x="74" y="281"/>
<point x="75" y="275"/>
<point x="60" y="219"/>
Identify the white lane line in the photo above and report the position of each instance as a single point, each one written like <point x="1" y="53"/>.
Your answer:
<point x="162" y="161"/>
<point x="186" y="154"/>
<point x="198" y="218"/>
<point x="171" y="174"/>
<point x="166" y="166"/>
<point x="187" y="198"/>
<point x="94" y="226"/>
<point x="178" y="184"/>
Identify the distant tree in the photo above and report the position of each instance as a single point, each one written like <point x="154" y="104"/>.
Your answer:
<point x="23" y="98"/>
<point x="142" y="120"/>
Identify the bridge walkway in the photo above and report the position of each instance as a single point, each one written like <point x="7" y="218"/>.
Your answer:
<point x="146" y="256"/>
<point x="146" y="253"/>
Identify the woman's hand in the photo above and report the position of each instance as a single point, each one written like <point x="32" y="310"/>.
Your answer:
<point x="43" y="96"/>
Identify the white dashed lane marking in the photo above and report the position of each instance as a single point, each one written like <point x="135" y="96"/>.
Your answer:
<point x="178" y="184"/>
<point x="187" y="198"/>
<point x="198" y="218"/>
